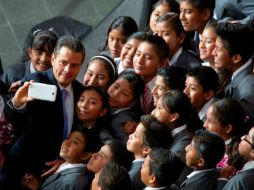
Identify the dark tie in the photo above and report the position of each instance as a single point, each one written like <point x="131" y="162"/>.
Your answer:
<point x="65" y="117"/>
<point x="147" y="100"/>
<point x="229" y="90"/>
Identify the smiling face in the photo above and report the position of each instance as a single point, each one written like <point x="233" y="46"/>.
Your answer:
<point x="120" y="94"/>
<point x="41" y="60"/>
<point x="66" y="65"/>
<point x="90" y="107"/>
<point x="72" y="148"/>
<point x="96" y="74"/>
<point x="245" y="148"/>
<point x="116" y="41"/>
<point x="128" y="51"/>
<point x="100" y="159"/>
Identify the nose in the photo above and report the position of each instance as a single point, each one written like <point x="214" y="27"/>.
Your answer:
<point x="214" y="51"/>
<point x="181" y="16"/>
<point x="205" y="124"/>
<point x="187" y="148"/>
<point x="93" y="80"/>
<point x="186" y="90"/>
<point x="67" y="68"/>
<point x="154" y="90"/>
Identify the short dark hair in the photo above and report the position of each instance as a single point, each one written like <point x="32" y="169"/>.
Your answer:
<point x="173" y="77"/>
<point x="155" y="134"/>
<point x="120" y="154"/>
<point x="202" y="4"/>
<point x="209" y="146"/>
<point x="114" y="177"/>
<point x="206" y="77"/>
<point x="237" y="39"/>
<point x="165" y="166"/>
<point x="137" y="83"/>
<point x="173" y="4"/>
<point x="72" y="43"/>
<point x="89" y="147"/>
<point x="159" y="44"/>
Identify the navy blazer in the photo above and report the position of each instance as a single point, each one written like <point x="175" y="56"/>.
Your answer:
<point x="78" y="178"/>
<point x="135" y="176"/>
<point x="41" y="139"/>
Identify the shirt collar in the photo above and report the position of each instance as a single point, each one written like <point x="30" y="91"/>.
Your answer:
<point x="178" y="130"/>
<point x="154" y="188"/>
<point x="241" y="68"/>
<point x="204" y="109"/>
<point x="248" y="165"/>
<point x="227" y="142"/>
<point x="175" y="56"/>
<point x="198" y="172"/>
<point x="116" y="111"/>
<point x="138" y="159"/>
<point x="68" y="165"/>
<point x="68" y="88"/>
<point x="32" y="68"/>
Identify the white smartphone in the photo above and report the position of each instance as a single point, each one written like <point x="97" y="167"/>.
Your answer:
<point x="42" y="91"/>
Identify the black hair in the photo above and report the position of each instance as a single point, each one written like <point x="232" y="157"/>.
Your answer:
<point x="155" y="134"/>
<point x="137" y="35"/>
<point x="127" y="25"/>
<point x="159" y="44"/>
<point x="237" y="39"/>
<point x="206" y="77"/>
<point x="174" y="5"/>
<point x="120" y="154"/>
<point x="72" y="43"/>
<point x="176" y="101"/>
<point x="109" y="65"/>
<point x="173" y="77"/>
<point x="44" y="40"/>
<point x="229" y="111"/>
<point x="114" y="177"/>
<point x="202" y="5"/>
<point x="209" y="146"/>
<point x="165" y="166"/>
<point x="137" y="83"/>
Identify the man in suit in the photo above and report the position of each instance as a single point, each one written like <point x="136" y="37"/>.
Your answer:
<point x="243" y="180"/>
<point x="234" y="48"/>
<point x="44" y="132"/>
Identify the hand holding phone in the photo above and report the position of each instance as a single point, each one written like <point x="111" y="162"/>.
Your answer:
<point x="42" y="91"/>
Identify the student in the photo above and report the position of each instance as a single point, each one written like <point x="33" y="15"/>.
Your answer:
<point x="160" y="8"/>
<point x="128" y="51"/>
<point x="71" y="174"/>
<point x="201" y="87"/>
<point x="111" y="177"/>
<point x="195" y="15"/>
<point x="124" y="93"/>
<point x="168" y="78"/>
<point x="227" y="119"/>
<point x="40" y="51"/>
<point x="160" y="169"/>
<point x="233" y="51"/>
<point x="169" y="27"/>
<point x="243" y="180"/>
<point x="101" y="71"/>
<point x="152" y="53"/>
<point x="148" y="134"/>
<point x="118" y="32"/>
<point x="45" y="120"/>
<point x="204" y="152"/>
<point x="175" y="111"/>
<point x="92" y="109"/>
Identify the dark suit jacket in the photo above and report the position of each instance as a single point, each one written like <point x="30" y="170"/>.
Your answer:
<point x="180" y="141"/>
<point x="15" y="73"/>
<point x="135" y="176"/>
<point x="77" y="178"/>
<point x="42" y="138"/>
<point x="241" y="181"/>
<point x="187" y="60"/>
<point x="201" y="181"/>
<point x="242" y="90"/>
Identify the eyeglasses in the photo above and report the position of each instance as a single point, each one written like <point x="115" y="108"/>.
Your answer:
<point x="246" y="140"/>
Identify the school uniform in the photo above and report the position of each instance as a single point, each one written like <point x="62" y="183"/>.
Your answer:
<point x="135" y="175"/>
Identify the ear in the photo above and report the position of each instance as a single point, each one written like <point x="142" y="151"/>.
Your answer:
<point x="86" y="156"/>
<point x="209" y="94"/>
<point x="236" y="59"/>
<point x="229" y="129"/>
<point x="152" y="179"/>
<point x="252" y="154"/>
<point x="30" y="52"/>
<point x="103" y="112"/>
<point x="173" y="117"/>
<point x="146" y="151"/>
<point x="206" y="14"/>
<point x="201" y="162"/>
<point x="164" y="63"/>
<point x="181" y="38"/>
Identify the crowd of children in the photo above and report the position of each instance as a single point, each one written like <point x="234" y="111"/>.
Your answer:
<point x="169" y="108"/>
